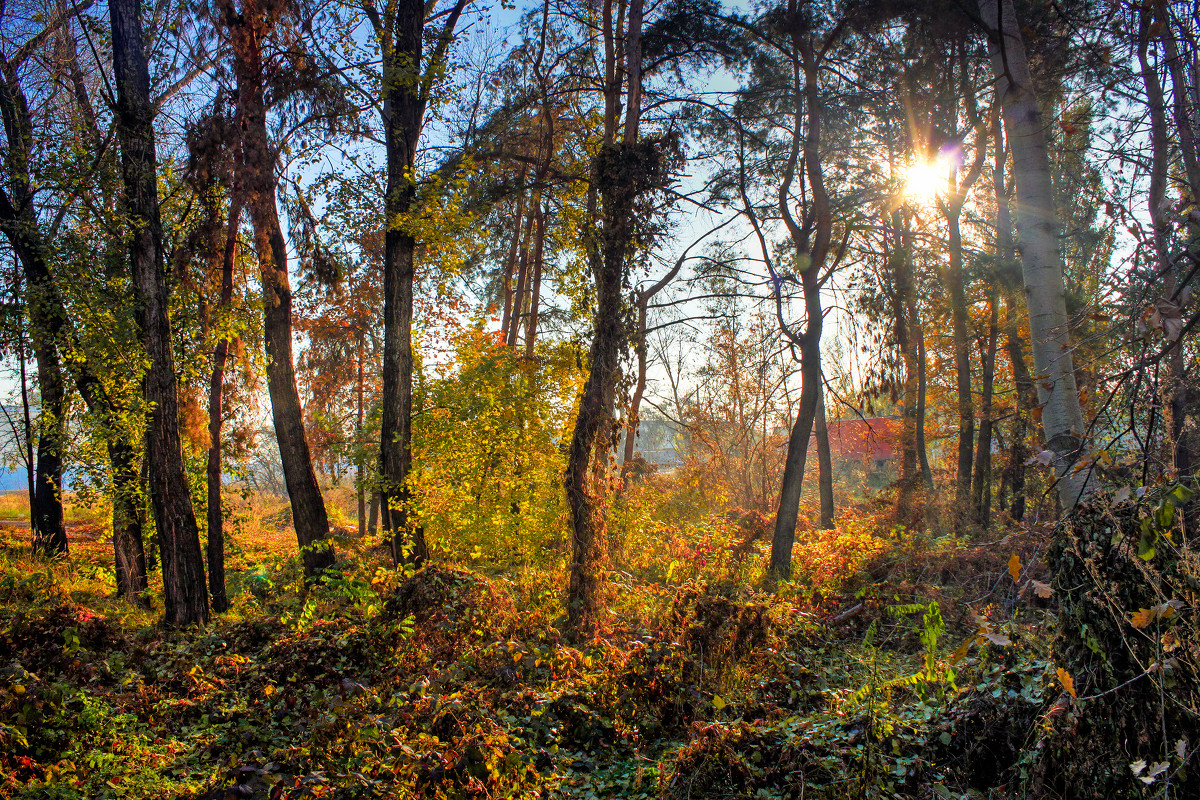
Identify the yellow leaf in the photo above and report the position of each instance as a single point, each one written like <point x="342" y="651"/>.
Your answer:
<point x="961" y="652"/>
<point x="718" y="702"/>
<point x="1067" y="681"/>
<point x="1014" y="567"/>
<point x="1142" y="617"/>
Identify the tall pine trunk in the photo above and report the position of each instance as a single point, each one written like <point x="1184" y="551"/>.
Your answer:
<point x="962" y="369"/>
<point x="825" y="467"/>
<point x="216" y="418"/>
<point x="18" y="219"/>
<point x="981" y="487"/>
<point x="788" y="514"/>
<point x="184" y="591"/>
<point x="1042" y="265"/>
<point x="403" y="112"/>
<point x="1174" y="389"/>
<point x="622" y="172"/>
<point x="248" y="33"/>
<point x="1184" y="398"/>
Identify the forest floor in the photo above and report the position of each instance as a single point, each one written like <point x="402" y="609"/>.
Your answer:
<point x="893" y="665"/>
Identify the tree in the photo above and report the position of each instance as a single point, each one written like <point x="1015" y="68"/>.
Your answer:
<point x="18" y="218"/>
<point x="184" y="590"/>
<point x="796" y="39"/>
<point x="408" y="83"/>
<point x="1037" y="231"/>
<point x="272" y="68"/>
<point x="627" y="173"/>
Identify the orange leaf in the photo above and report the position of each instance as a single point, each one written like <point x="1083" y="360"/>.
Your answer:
<point x="1142" y="617"/>
<point x="1067" y="681"/>
<point x="1014" y="567"/>
<point x="961" y="652"/>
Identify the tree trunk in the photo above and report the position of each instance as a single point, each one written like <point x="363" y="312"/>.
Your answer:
<point x="1042" y="265"/>
<point x="308" y="506"/>
<point x="962" y="370"/>
<point x="1174" y="389"/>
<point x="811" y="242"/>
<point x="510" y="263"/>
<point x="18" y="218"/>
<point x="825" y="465"/>
<point x="1024" y="395"/>
<point x="797" y="453"/>
<point x="248" y="33"/>
<point x="981" y="489"/>
<point x="179" y="538"/>
<point x="49" y="529"/>
<point x="535" y="287"/>
<point x="1185" y="400"/>
<point x="129" y="554"/>
<point x="403" y="112"/>
<point x="639" y="390"/>
<point x="518" y="308"/>
<point x="216" y="414"/>
<point x="922" y="392"/>
<point x="596" y="405"/>
<point x="615" y="188"/>
<point x="27" y="429"/>
<point x="901" y="273"/>
<point x="360" y="468"/>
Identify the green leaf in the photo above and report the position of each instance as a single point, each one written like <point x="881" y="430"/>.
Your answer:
<point x="1165" y="515"/>
<point x="1145" y="548"/>
<point x="1180" y="493"/>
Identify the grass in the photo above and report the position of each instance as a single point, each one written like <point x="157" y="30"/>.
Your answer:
<point x="457" y="682"/>
<point x="14" y="506"/>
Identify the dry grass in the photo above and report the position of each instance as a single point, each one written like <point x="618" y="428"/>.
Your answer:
<point x="14" y="506"/>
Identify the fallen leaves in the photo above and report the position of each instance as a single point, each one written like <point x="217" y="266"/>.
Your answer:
<point x="1144" y="616"/>
<point x="1067" y="681"/>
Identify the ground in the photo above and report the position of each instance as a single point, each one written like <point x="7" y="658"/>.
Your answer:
<point x="895" y="665"/>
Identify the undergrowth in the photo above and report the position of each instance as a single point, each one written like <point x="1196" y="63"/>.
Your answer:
<point x="893" y="665"/>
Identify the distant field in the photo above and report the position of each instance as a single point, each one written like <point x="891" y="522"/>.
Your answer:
<point x="14" y="505"/>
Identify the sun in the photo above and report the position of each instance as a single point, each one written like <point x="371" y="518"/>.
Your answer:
<point x="924" y="181"/>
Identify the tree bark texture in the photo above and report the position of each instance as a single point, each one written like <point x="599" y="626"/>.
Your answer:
<point x="403" y="112"/>
<point x="18" y="219"/>
<point x="129" y="553"/>
<point x="811" y="242"/>
<point x="1042" y="265"/>
<point x="825" y="467"/>
<point x="639" y="389"/>
<point x="1185" y="402"/>
<point x="1025" y="399"/>
<point x="216" y="418"/>
<point x="535" y="281"/>
<point x="184" y="590"/>
<point x="594" y="420"/>
<point x="790" y="488"/>
<point x="981" y="487"/>
<point x="962" y="369"/>
<point x="1174" y="388"/>
<point x="249" y="31"/>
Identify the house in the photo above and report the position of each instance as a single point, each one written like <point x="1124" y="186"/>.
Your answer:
<point x="874" y="440"/>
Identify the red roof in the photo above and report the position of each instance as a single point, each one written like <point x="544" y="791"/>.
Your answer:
<point x="875" y="438"/>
